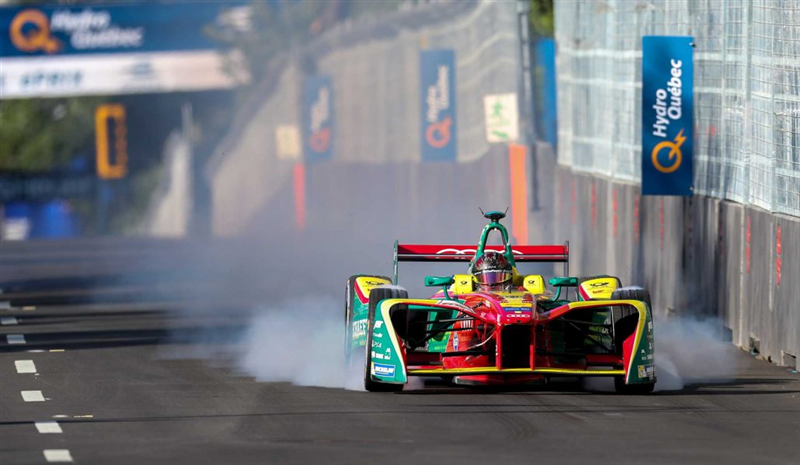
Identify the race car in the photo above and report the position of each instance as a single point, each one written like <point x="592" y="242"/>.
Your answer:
<point x="494" y="326"/>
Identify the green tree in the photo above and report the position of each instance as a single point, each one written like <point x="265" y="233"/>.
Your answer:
<point x="542" y="18"/>
<point x="42" y="134"/>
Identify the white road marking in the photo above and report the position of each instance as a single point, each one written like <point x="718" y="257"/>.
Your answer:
<point x="25" y="366"/>
<point x="57" y="455"/>
<point x="32" y="396"/>
<point x="48" y="427"/>
<point x="15" y="338"/>
<point x="8" y="320"/>
<point x="60" y="416"/>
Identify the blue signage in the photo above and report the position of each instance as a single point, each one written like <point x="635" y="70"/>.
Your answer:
<point x="143" y="27"/>
<point x="318" y="118"/>
<point x="437" y="83"/>
<point x="667" y="115"/>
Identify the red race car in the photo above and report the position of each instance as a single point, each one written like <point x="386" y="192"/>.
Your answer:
<point x="495" y="326"/>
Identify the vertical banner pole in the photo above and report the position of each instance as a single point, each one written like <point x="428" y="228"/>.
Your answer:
<point x="519" y="193"/>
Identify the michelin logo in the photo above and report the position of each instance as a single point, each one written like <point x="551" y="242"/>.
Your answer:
<point x="383" y="371"/>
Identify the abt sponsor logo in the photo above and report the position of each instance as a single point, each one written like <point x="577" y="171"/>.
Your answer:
<point x="383" y="371"/>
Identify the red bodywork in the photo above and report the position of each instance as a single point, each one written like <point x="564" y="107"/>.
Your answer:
<point x="509" y="337"/>
<point x="509" y="330"/>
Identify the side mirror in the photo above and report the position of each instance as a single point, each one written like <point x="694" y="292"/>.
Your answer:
<point x="563" y="281"/>
<point x="435" y="281"/>
<point x="534" y="283"/>
<point x="463" y="284"/>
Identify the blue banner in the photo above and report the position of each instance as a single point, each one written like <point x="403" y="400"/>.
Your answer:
<point x="437" y="83"/>
<point x="546" y="106"/>
<point x="667" y="115"/>
<point x="98" y="29"/>
<point x="318" y="118"/>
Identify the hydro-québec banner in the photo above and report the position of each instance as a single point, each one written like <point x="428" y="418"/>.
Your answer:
<point x="437" y="84"/>
<point x="667" y="115"/>
<point x="318" y="118"/>
<point x="56" y="30"/>
<point x="96" y="49"/>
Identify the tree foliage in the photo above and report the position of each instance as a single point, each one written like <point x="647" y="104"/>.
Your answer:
<point x="542" y="18"/>
<point x="43" y="134"/>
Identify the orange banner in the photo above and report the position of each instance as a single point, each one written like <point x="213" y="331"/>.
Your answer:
<point x="300" y="196"/>
<point x="519" y="193"/>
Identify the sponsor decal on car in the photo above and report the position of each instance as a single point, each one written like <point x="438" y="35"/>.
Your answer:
<point x="359" y="328"/>
<point x="647" y="371"/>
<point x="383" y="371"/>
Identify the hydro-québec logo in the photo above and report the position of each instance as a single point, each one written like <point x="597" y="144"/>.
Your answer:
<point x="438" y="134"/>
<point x="669" y="108"/>
<point x="320" y="137"/>
<point x="31" y="30"/>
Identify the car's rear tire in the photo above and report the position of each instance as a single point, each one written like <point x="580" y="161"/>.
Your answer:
<point x="349" y="302"/>
<point x="628" y="319"/>
<point x="633" y="293"/>
<point x="375" y="297"/>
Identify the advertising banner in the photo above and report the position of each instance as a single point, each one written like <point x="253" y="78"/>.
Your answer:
<point x="53" y="51"/>
<point x="318" y="118"/>
<point x="502" y="117"/>
<point x="127" y="28"/>
<point x="667" y="115"/>
<point x="437" y="85"/>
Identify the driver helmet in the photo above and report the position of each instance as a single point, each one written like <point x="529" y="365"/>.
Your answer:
<point x="492" y="269"/>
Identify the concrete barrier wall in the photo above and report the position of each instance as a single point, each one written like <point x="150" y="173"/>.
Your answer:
<point x="699" y="257"/>
<point x="247" y="173"/>
<point x="170" y="208"/>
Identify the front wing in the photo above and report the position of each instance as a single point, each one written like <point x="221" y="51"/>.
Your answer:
<point x="388" y="359"/>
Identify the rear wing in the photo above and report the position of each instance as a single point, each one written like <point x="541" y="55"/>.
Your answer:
<point x="465" y="253"/>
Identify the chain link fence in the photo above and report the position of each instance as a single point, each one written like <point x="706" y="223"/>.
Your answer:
<point x="747" y="92"/>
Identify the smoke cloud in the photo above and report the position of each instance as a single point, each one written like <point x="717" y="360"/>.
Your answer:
<point x="299" y="341"/>
<point x="690" y="351"/>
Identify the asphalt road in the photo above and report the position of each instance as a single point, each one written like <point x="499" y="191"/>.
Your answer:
<point x="101" y="352"/>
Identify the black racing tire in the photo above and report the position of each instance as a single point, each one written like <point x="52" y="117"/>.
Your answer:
<point x="349" y="300"/>
<point x="635" y="293"/>
<point x="632" y="389"/>
<point x="375" y="296"/>
<point x="627" y="320"/>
